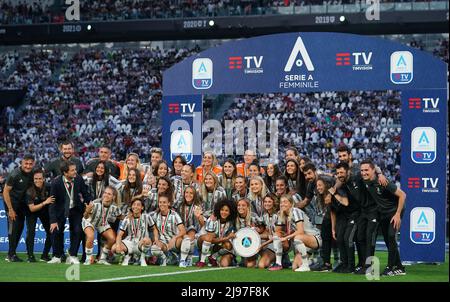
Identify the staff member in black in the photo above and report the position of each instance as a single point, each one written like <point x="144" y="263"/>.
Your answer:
<point x="104" y="155"/>
<point x="71" y="194"/>
<point x="38" y="198"/>
<point x="353" y="186"/>
<point x="14" y="193"/>
<point x="66" y="148"/>
<point x="390" y="201"/>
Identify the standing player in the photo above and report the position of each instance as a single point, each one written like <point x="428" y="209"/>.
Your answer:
<point x="209" y="164"/>
<point x="228" y="177"/>
<point x="177" y="164"/>
<point x="294" y="227"/>
<point x="136" y="227"/>
<point x="170" y="227"/>
<point x="273" y="172"/>
<point x="163" y="185"/>
<point x="131" y="188"/>
<point x="97" y="216"/>
<point x="391" y="202"/>
<point x="211" y="193"/>
<point x="180" y="184"/>
<point x="271" y="208"/>
<point x="240" y="188"/>
<point x="191" y="213"/>
<point x="256" y="195"/>
<point x="220" y="231"/>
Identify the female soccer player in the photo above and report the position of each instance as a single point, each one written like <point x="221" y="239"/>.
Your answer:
<point x="245" y="218"/>
<point x="177" y="164"/>
<point x="240" y="188"/>
<point x="136" y="226"/>
<point x="228" y="177"/>
<point x="97" y="216"/>
<point x="131" y="162"/>
<point x="180" y="184"/>
<point x="257" y="192"/>
<point x="192" y="215"/>
<point x="272" y="172"/>
<point x="293" y="175"/>
<point x="220" y="231"/>
<point x="131" y="188"/>
<point x="38" y="198"/>
<point x="211" y="193"/>
<point x="294" y="227"/>
<point x="254" y="169"/>
<point x="98" y="180"/>
<point x="209" y="164"/>
<point x="271" y="208"/>
<point x="163" y="185"/>
<point x="170" y="227"/>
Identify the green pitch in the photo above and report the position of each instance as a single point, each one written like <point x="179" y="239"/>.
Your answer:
<point x="43" y="272"/>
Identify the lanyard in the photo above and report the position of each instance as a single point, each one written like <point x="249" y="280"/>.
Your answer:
<point x="288" y="225"/>
<point x="163" y="223"/>
<point x="135" y="226"/>
<point x="99" y="187"/>
<point x="269" y="222"/>
<point x="66" y="186"/>
<point x="105" y="215"/>
<point x="221" y="229"/>
<point x="188" y="213"/>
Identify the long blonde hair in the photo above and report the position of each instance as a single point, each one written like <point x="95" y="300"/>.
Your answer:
<point x="138" y="164"/>
<point x="203" y="190"/>
<point x="263" y="192"/>
<point x="281" y="213"/>
<point x="248" y="217"/>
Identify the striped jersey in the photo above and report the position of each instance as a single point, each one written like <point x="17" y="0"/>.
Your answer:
<point x="186" y="213"/>
<point x="102" y="215"/>
<point x="211" y="200"/>
<point x="290" y="225"/>
<point x="220" y="229"/>
<point x="137" y="228"/>
<point x="257" y="204"/>
<point x="270" y="221"/>
<point x="179" y="188"/>
<point x="167" y="225"/>
<point x="241" y="223"/>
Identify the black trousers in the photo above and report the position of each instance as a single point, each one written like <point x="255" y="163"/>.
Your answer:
<point x="346" y="228"/>
<point x="327" y="238"/>
<point x="31" y="231"/>
<point x="367" y="230"/>
<point x="15" y="228"/>
<point x="76" y="234"/>
<point x="390" y="238"/>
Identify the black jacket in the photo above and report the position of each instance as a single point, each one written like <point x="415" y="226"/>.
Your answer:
<point x="58" y="190"/>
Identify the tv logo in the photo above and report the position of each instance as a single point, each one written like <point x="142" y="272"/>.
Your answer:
<point x="430" y="105"/>
<point x="401" y="67"/>
<point x="252" y="63"/>
<point x="187" y="109"/>
<point x="361" y="60"/>
<point x="299" y="48"/>
<point x="423" y="145"/>
<point x="181" y="143"/>
<point x="427" y="184"/>
<point x="202" y="73"/>
<point x="422" y="225"/>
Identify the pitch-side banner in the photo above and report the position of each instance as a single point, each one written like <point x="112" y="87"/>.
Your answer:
<point x="423" y="174"/>
<point x="39" y="239"/>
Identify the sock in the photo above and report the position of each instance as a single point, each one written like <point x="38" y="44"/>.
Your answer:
<point x="278" y="249"/>
<point x="105" y="252"/>
<point x="185" y="248"/>
<point x="301" y="248"/>
<point x="206" y="246"/>
<point x="156" y="251"/>
<point x="89" y="253"/>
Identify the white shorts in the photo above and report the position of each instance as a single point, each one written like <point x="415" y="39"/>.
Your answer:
<point x="86" y="223"/>
<point x="132" y="246"/>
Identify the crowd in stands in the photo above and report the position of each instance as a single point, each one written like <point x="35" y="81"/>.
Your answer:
<point x="47" y="11"/>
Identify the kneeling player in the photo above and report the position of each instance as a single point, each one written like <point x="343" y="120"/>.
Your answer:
<point x="220" y="231"/>
<point x="270" y="203"/>
<point x="136" y="226"/>
<point x="97" y="216"/>
<point x="246" y="218"/>
<point x="299" y="230"/>
<point x="170" y="229"/>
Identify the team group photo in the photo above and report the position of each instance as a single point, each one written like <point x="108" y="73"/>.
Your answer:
<point x="208" y="141"/>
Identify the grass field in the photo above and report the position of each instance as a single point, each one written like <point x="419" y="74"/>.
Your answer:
<point x="43" y="272"/>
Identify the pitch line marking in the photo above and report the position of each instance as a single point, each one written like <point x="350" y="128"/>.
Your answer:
<point x="160" y="274"/>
